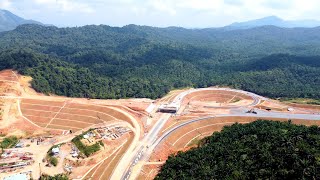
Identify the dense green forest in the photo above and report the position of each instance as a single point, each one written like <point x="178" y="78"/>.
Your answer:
<point x="140" y="61"/>
<point x="258" y="150"/>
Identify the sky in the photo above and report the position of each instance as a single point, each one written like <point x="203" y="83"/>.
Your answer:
<point x="160" y="13"/>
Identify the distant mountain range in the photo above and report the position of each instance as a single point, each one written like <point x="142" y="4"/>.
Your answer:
<point x="274" y="21"/>
<point x="9" y="21"/>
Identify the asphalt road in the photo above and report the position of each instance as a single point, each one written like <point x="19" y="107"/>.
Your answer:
<point x="151" y="140"/>
<point x="260" y="114"/>
<point x="143" y="146"/>
<point x="144" y="149"/>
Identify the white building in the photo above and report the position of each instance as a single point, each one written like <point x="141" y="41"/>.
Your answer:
<point x="55" y="150"/>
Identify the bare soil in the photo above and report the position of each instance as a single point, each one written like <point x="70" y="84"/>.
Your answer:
<point x="181" y="139"/>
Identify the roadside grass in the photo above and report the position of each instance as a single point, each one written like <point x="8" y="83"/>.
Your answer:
<point x="234" y="100"/>
<point x="194" y="142"/>
<point x="301" y="101"/>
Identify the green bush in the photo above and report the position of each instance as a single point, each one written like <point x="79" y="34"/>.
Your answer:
<point x="53" y="161"/>
<point x="56" y="177"/>
<point x="9" y="142"/>
<point x="3" y="164"/>
<point x="101" y="143"/>
<point x="86" y="150"/>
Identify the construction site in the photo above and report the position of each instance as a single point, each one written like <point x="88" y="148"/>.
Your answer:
<point x="120" y="139"/>
<point x="12" y="160"/>
<point x="42" y="122"/>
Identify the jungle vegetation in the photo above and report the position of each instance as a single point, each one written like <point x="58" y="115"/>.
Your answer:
<point x="258" y="150"/>
<point x="140" y="61"/>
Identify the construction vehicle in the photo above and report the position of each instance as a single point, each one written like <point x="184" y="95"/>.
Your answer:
<point x="252" y="111"/>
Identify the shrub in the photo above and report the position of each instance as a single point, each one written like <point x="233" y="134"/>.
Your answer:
<point x="9" y="142"/>
<point x="56" y="177"/>
<point x="53" y="161"/>
<point x="86" y="150"/>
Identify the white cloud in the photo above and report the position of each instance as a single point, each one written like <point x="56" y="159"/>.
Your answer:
<point x="5" y="4"/>
<point x="66" y="5"/>
<point x="234" y="2"/>
<point x="201" y="4"/>
<point x="165" y="6"/>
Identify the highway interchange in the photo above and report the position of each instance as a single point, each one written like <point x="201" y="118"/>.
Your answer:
<point x="140" y="150"/>
<point x="130" y="168"/>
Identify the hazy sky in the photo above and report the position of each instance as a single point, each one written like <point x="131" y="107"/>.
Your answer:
<point x="185" y="13"/>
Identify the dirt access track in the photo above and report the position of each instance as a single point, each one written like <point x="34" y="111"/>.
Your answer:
<point x="218" y="98"/>
<point x="216" y="107"/>
<point x="182" y="137"/>
<point x="208" y="111"/>
<point x="190" y="135"/>
<point x="199" y="113"/>
<point x="66" y="115"/>
<point x="42" y="115"/>
<point x="8" y="83"/>
<point x="62" y="113"/>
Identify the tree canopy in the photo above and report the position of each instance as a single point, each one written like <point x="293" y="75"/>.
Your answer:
<point x="258" y="150"/>
<point x="139" y="61"/>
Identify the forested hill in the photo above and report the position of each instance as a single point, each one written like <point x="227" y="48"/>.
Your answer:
<point x="140" y="61"/>
<point x="9" y="21"/>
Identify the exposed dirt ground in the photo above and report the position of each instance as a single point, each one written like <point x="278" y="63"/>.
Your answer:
<point x="105" y="168"/>
<point x="26" y="113"/>
<point x="189" y="136"/>
<point x="70" y="115"/>
<point x="204" y="104"/>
